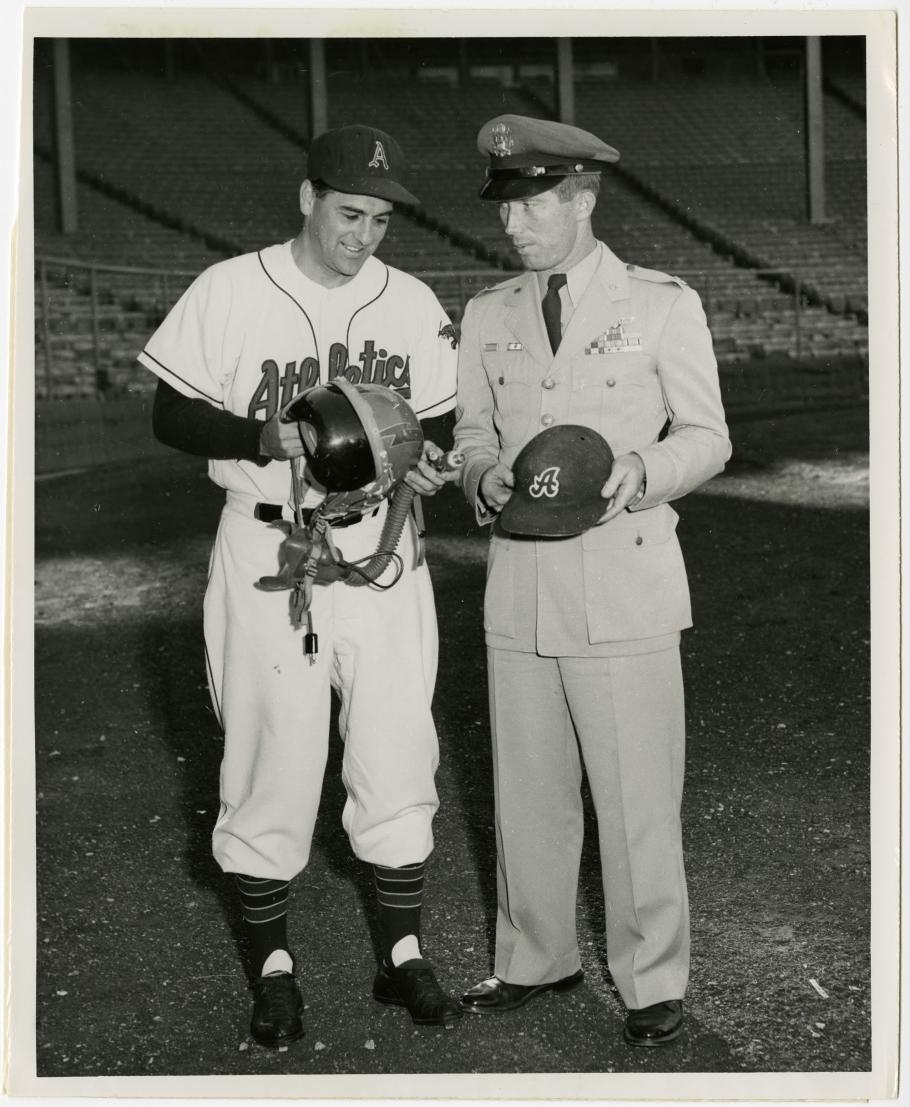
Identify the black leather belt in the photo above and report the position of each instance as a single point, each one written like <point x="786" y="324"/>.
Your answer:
<point x="271" y="513"/>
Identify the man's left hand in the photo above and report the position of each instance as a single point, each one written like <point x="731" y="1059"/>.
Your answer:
<point x="623" y="485"/>
<point x="426" y="479"/>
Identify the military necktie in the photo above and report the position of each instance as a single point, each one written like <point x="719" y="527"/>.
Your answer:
<point x="552" y="309"/>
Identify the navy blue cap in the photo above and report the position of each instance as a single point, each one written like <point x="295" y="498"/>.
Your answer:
<point x="558" y="477"/>
<point x="360" y="160"/>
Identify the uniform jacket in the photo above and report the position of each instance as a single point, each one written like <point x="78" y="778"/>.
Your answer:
<point x="635" y="357"/>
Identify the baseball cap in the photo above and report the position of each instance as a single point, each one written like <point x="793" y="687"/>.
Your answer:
<point x="558" y="478"/>
<point x="360" y="160"/>
<point x="529" y="156"/>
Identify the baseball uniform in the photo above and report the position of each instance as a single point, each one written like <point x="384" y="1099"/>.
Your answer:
<point x="248" y="335"/>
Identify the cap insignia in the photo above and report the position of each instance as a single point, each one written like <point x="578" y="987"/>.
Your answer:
<point x="502" y="140"/>
<point x="379" y="158"/>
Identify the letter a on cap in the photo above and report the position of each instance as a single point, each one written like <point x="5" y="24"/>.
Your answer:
<point x="379" y="157"/>
<point x="545" y="483"/>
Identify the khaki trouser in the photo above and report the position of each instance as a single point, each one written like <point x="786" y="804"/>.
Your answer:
<point x="624" y="716"/>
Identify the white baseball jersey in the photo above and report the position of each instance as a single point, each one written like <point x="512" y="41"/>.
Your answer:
<point x="247" y="336"/>
<point x="252" y="332"/>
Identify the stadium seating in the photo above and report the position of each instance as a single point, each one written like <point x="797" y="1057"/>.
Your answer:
<point x="710" y="187"/>
<point x="637" y="228"/>
<point x="733" y="152"/>
<point x="153" y="264"/>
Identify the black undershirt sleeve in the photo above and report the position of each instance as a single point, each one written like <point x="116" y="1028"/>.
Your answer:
<point x="198" y="428"/>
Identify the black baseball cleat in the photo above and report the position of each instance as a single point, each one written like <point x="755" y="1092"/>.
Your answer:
<point x="495" y="995"/>
<point x="277" y="1007"/>
<point x="413" y="985"/>
<point x="656" y="1025"/>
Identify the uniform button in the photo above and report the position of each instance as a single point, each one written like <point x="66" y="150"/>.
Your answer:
<point x="548" y="382"/>
<point x="546" y="420"/>
<point x="639" y="540"/>
<point x="610" y="382"/>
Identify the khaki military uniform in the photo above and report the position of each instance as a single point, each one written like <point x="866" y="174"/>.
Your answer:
<point x="583" y="632"/>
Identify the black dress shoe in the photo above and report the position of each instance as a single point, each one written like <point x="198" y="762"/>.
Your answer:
<point x="413" y="985"/>
<point x="497" y="995"/>
<point x="277" y="1006"/>
<point x="656" y="1025"/>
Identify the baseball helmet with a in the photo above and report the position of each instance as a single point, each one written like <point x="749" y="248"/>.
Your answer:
<point x="558" y="478"/>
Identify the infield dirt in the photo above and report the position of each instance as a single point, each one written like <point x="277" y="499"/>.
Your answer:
<point x="139" y="968"/>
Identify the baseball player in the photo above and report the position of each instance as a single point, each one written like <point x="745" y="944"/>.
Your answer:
<point x="583" y="630"/>
<point x="247" y="336"/>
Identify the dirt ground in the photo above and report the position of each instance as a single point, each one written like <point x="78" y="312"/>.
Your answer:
<point x="139" y="968"/>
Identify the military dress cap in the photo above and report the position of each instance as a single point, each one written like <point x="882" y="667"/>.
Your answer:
<point x="529" y="156"/>
<point x="558" y="477"/>
<point x="360" y="160"/>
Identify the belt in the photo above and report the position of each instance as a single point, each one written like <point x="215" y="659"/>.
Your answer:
<point x="271" y="513"/>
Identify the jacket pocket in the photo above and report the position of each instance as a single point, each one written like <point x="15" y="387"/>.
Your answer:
<point x="634" y="577"/>
<point x="613" y="392"/>
<point x="514" y="398"/>
<point x="499" y="596"/>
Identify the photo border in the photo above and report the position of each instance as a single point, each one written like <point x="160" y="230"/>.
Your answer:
<point x="879" y="27"/>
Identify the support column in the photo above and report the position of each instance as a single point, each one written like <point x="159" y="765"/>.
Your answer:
<point x="464" y="63"/>
<point x="565" y="81"/>
<point x="319" y="108"/>
<point x="170" y="60"/>
<point x="655" y="59"/>
<point x="815" y="131"/>
<point x="269" y="68"/>
<point x="64" y="142"/>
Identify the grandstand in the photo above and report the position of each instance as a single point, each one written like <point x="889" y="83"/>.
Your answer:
<point x="180" y="166"/>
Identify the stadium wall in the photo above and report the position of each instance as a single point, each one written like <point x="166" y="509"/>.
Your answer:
<point x="80" y="434"/>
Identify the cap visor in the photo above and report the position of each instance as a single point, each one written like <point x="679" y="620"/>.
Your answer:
<point x="541" y="521"/>
<point x="375" y="186"/>
<point x="518" y="189"/>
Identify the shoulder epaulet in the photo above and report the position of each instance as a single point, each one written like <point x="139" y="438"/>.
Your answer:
<point x="654" y="275"/>
<point x="501" y="287"/>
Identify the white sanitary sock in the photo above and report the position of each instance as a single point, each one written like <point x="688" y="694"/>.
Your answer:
<point x="279" y="960"/>
<point x="405" y="949"/>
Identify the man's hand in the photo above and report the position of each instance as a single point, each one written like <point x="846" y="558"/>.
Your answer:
<point x="280" y="440"/>
<point x="626" y="480"/>
<point x="495" y="486"/>
<point x="425" y="478"/>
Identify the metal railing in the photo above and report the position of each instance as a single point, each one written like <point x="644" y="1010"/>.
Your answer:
<point x="94" y="279"/>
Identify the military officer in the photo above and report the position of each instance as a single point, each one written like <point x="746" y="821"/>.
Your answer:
<point x="583" y="631"/>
